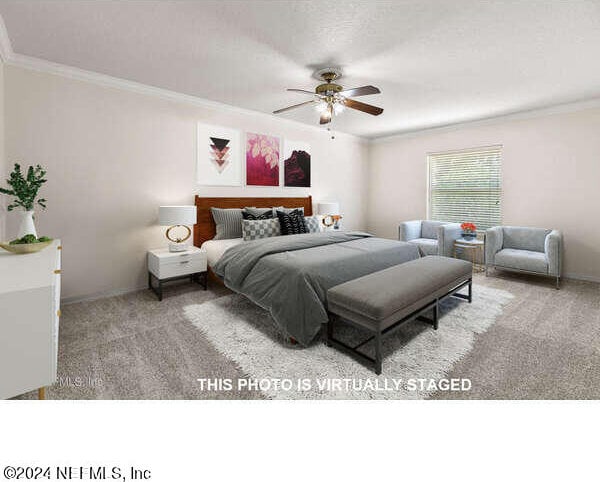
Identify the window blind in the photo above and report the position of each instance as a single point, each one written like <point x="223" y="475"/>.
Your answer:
<point x="465" y="186"/>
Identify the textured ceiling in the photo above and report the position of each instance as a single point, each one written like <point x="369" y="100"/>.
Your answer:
<point x="436" y="62"/>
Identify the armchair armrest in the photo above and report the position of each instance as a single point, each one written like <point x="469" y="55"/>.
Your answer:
<point x="447" y="234"/>
<point x="494" y="239"/>
<point x="553" y="249"/>
<point x="409" y="230"/>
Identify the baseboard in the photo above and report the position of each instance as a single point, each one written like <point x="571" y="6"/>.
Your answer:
<point x="102" y="294"/>
<point x="107" y="294"/>
<point x="582" y="277"/>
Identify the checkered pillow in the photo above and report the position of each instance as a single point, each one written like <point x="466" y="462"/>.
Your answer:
<point x="313" y="224"/>
<point x="260" y="228"/>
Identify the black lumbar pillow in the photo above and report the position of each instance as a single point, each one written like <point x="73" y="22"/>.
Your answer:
<point x="292" y="222"/>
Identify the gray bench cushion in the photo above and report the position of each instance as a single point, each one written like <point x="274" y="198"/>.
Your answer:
<point x="380" y="299"/>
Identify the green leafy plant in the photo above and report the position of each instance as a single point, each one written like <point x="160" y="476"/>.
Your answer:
<point x="30" y="239"/>
<point x="25" y="188"/>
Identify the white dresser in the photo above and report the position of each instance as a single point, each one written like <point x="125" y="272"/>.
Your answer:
<point x="29" y="314"/>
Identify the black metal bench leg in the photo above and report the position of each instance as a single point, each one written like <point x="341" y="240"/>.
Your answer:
<point x="329" y="330"/>
<point x="436" y="315"/>
<point x="378" y="355"/>
<point x="470" y="290"/>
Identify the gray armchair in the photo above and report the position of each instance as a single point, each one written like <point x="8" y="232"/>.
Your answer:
<point x="432" y="237"/>
<point x="531" y="250"/>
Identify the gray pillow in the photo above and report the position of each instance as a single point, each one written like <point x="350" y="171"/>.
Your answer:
<point x="260" y="228"/>
<point x="228" y="221"/>
<point x="313" y="224"/>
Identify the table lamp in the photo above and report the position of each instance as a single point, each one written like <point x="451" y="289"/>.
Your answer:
<point x="177" y="217"/>
<point x="331" y="214"/>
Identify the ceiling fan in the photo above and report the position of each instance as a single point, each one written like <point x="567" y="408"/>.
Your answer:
<point x="331" y="99"/>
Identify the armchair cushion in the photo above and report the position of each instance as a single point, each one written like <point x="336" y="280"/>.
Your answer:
<point x="426" y="246"/>
<point x="530" y="239"/>
<point x="429" y="229"/>
<point x="409" y="230"/>
<point x="522" y="259"/>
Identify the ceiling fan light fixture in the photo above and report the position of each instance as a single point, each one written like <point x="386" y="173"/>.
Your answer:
<point x="321" y="106"/>
<point x="331" y="99"/>
<point x="338" y="108"/>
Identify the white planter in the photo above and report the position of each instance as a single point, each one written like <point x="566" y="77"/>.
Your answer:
<point x="27" y="225"/>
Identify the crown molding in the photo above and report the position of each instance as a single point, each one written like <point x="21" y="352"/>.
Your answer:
<point x="45" y="66"/>
<point x="32" y="63"/>
<point x="6" y="51"/>
<point x="562" y="108"/>
<point x="8" y="56"/>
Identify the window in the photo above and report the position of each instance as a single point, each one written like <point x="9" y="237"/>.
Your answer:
<point x="466" y="186"/>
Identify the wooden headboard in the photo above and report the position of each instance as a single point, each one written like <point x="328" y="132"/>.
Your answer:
<point x="205" y="229"/>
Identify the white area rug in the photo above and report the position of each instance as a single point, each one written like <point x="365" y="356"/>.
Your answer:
<point x="248" y="336"/>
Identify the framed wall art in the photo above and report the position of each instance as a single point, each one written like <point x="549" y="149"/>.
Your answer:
<point x="219" y="156"/>
<point x="296" y="164"/>
<point x="262" y="160"/>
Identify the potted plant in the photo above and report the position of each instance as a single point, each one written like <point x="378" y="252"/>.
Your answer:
<point x="25" y="188"/>
<point x="469" y="230"/>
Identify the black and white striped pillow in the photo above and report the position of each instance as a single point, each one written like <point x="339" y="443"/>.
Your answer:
<point x="228" y="221"/>
<point x="292" y="222"/>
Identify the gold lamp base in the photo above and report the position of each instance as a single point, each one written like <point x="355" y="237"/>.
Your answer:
<point x="178" y="245"/>
<point x="332" y="220"/>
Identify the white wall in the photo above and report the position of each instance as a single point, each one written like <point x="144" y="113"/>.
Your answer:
<point x="3" y="167"/>
<point x="550" y="173"/>
<point x="114" y="156"/>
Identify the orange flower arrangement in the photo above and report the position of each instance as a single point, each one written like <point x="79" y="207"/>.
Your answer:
<point x="468" y="227"/>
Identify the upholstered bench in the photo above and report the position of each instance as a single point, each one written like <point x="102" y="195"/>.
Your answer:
<point x="380" y="302"/>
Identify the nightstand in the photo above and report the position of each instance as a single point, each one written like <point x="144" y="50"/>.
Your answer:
<point x="164" y="266"/>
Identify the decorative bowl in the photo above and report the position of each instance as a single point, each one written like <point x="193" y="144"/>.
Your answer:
<point x="25" y="248"/>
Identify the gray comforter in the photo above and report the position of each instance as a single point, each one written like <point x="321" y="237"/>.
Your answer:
<point x="289" y="275"/>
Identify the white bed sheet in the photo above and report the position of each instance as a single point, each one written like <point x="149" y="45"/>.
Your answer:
<point x="216" y="247"/>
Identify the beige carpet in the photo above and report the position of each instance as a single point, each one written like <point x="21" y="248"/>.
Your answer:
<point x="544" y="344"/>
<point x="246" y="334"/>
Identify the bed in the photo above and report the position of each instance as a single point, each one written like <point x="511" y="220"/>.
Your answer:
<point x="289" y="275"/>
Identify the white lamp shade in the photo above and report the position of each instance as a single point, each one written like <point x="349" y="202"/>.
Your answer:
<point x="177" y="215"/>
<point x="328" y="208"/>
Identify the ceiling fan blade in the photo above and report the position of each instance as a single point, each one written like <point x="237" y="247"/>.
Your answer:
<point x="327" y="115"/>
<point x="364" y="90"/>
<point x="369" y="109"/>
<point x="301" y="91"/>
<point x="279" y="111"/>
